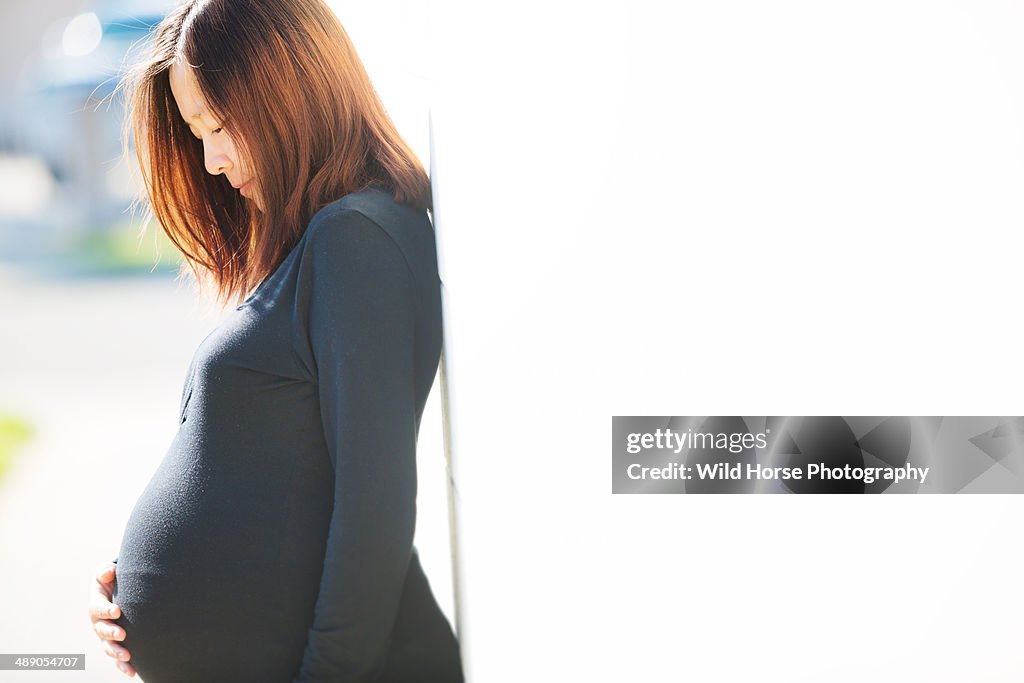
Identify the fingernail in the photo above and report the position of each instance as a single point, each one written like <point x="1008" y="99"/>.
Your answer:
<point x="122" y="667"/>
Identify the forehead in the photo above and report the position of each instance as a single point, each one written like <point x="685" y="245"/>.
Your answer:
<point x="186" y="93"/>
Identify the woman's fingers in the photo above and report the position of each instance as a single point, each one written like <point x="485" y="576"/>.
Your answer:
<point x="122" y="656"/>
<point x="116" y="651"/>
<point x="100" y="607"/>
<point x="106" y="573"/>
<point x="108" y="631"/>
<point x="105" y="580"/>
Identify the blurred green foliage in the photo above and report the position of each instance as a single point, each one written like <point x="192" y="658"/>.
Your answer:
<point x="14" y="431"/>
<point x="121" y="249"/>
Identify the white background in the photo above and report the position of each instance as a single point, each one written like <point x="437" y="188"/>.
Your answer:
<point x="787" y="208"/>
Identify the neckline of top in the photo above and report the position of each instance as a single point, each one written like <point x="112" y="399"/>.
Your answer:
<point x="376" y="185"/>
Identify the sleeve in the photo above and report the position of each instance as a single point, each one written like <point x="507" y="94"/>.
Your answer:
<point x="361" y="322"/>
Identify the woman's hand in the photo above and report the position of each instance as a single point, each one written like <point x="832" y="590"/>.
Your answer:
<point x="101" y="609"/>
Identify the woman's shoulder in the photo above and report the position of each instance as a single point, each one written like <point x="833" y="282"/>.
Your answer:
<point x="376" y="203"/>
<point x="370" y="220"/>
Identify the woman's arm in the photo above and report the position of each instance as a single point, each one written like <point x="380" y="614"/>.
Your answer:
<point x="362" y="314"/>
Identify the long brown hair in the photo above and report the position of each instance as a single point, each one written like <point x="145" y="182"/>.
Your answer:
<point x="283" y="78"/>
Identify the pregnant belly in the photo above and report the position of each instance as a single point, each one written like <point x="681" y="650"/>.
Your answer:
<point x="219" y="570"/>
<point x="189" y="628"/>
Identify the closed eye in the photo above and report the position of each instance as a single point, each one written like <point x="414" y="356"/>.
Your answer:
<point x="200" y="137"/>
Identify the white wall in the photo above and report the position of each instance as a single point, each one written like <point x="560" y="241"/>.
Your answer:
<point x="735" y="208"/>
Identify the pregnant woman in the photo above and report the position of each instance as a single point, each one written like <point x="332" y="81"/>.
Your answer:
<point x="274" y="541"/>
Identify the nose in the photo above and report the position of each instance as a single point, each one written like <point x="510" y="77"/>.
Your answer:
<point x="216" y="160"/>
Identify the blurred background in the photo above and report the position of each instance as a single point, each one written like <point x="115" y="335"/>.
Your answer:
<point x="65" y="183"/>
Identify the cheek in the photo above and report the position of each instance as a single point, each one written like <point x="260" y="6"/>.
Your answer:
<point x="239" y="159"/>
<point x="243" y="163"/>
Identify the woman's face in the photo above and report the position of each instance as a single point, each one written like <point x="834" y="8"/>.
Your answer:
<point x="219" y="152"/>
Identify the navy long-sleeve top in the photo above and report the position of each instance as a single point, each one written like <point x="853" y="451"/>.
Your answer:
<point x="275" y="540"/>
